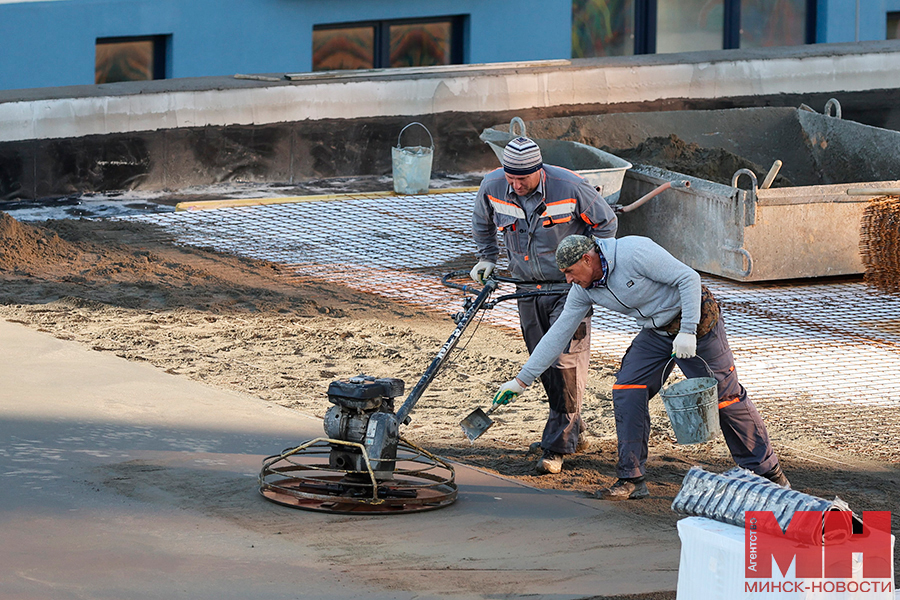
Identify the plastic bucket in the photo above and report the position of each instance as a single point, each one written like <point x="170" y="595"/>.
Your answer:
<point x="693" y="409"/>
<point x="412" y="165"/>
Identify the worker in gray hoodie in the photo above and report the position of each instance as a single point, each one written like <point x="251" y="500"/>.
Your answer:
<point x="534" y="206"/>
<point x="679" y="319"/>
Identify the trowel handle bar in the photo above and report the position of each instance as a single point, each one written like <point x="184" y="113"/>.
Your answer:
<point x="468" y="288"/>
<point x="442" y="355"/>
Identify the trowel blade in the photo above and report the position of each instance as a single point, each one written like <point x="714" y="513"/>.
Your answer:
<point x="476" y="423"/>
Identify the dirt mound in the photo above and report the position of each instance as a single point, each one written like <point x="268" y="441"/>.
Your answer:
<point x="674" y="154"/>
<point x="120" y="264"/>
<point x="22" y="246"/>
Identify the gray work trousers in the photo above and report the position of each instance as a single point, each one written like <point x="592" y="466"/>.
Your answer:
<point x="566" y="379"/>
<point x="644" y="367"/>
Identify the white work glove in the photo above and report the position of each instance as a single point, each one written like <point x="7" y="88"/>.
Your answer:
<point x="482" y="271"/>
<point x="685" y="345"/>
<point x="508" y="392"/>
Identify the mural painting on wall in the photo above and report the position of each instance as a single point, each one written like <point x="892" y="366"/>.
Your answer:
<point x="420" y="45"/>
<point x="766" y="23"/>
<point x="344" y="48"/>
<point x="124" y="61"/>
<point x="602" y="28"/>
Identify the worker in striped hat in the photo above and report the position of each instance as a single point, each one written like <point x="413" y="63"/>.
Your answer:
<point x="534" y="206"/>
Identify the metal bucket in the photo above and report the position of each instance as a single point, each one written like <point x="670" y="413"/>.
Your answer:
<point x="412" y="165"/>
<point x="693" y="408"/>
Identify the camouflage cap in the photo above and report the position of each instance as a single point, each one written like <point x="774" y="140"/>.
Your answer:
<point x="571" y="249"/>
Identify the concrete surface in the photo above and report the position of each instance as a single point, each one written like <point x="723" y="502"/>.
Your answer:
<point x="118" y="480"/>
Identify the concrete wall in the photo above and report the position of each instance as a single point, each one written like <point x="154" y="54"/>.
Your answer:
<point x="171" y="134"/>
<point x="52" y="43"/>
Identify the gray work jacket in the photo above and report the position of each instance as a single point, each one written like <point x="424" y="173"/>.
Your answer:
<point x="569" y="205"/>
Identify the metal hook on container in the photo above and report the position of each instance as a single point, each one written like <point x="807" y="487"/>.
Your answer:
<point x="512" y="124"/>
<point x="749" y="173"/>
<point x="750" y="210"/>
<point x="833" y="103"/>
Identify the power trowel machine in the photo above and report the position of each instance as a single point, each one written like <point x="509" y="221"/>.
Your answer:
<point x="363" y="465"/>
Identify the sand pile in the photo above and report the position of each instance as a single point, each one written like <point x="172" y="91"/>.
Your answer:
<point x="23" y="246"/>
<point x="674" y="154"/>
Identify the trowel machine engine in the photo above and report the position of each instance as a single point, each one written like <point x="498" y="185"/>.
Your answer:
<point x="363" y="414"/>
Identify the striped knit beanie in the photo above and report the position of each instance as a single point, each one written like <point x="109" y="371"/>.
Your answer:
<point x="522" y="157"/>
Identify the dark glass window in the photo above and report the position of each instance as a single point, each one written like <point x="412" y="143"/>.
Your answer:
<point x="379" y="44"/>
<point x="686" y="25"/>
<point x="893" y="26"/>
<point x="773" y="23"/>
<point x="421" y="44"/>
<point x="344" y="48"/>
<point x="130" y="59"/>
<point x="623" y="27"/>
<point x="602" y="28"/>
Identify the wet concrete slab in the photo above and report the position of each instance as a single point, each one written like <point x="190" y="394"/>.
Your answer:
<point x="118" y="480"/>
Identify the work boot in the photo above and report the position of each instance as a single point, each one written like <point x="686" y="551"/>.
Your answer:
<point x="777" y="477"/>
<point x="550" y="462"/>
<point x="624" y="489"/>
<point x="584" y="442"/>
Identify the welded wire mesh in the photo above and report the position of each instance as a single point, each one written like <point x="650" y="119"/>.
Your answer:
<point x="822" y="356"/>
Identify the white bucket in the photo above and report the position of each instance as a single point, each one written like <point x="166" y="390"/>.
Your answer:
<point x="412" y="165"/>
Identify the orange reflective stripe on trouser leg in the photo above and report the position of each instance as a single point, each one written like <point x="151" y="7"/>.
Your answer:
<point x="629" y="387"/>
<point x="728" y="402"/>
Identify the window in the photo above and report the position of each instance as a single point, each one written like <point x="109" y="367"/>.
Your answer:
<point x="893" y="26"/>
<point x="685" y="25"/>
<point x="602" y="28"/>
<point x="773" y="23"/>
<point x="130" y="59"/>
<point x="624" y="27"/>
<point x="379" y="44"/>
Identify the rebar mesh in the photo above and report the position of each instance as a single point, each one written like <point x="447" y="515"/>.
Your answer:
<point x="819" y="358"/>
<point x="880" y="243"/>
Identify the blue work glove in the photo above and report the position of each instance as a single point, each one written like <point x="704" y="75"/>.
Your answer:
<point x="482" y="271"/>
<point x="685" y="345"/>
<point x="508" y="392"/>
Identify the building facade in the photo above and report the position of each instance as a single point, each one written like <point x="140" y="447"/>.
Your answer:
<point x="76" y="42"/>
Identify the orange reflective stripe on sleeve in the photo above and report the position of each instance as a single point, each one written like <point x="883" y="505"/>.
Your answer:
<point x="506" y="208"/>
<point x="629" y="387"/>
<point x="559" y="207"/>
